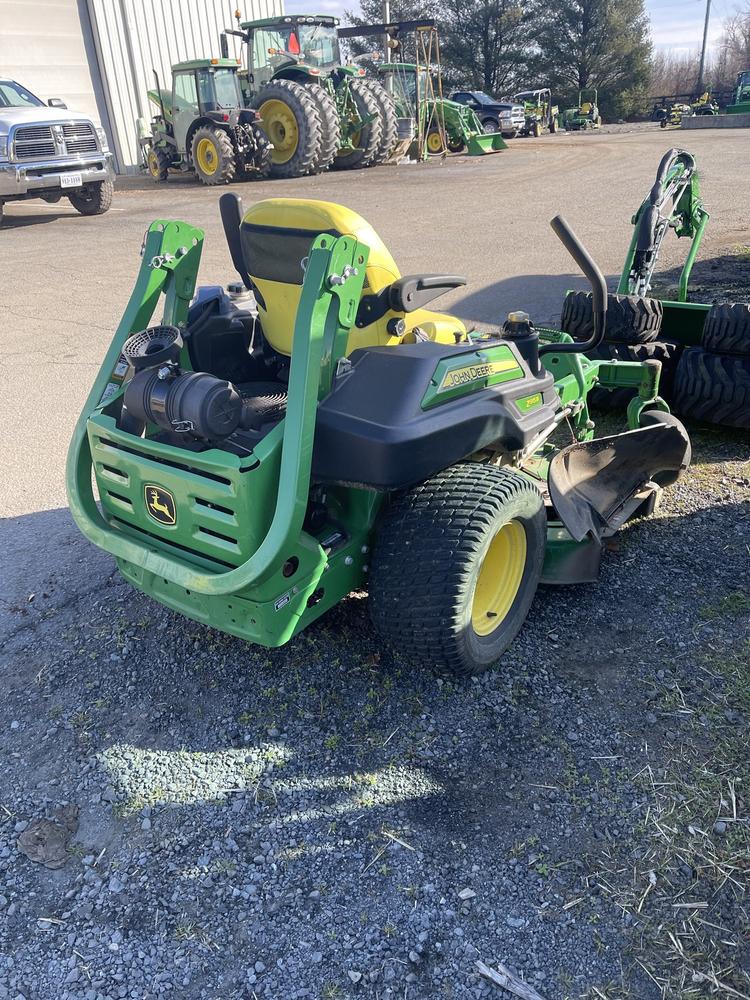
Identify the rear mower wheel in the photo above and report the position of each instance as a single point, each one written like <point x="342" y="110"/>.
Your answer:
<point x="455" y="566"/>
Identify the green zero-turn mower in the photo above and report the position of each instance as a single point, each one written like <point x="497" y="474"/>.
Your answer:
<point x="203" y="126"/>
<point x="586" y="115"/>
<point x="317" y="112"/>
<point x="254" y="470"/>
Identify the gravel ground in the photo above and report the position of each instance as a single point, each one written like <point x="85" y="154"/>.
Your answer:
<point x="323" y="820"/>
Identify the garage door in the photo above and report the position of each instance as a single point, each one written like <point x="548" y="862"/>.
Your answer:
<point x="47" y="47"/>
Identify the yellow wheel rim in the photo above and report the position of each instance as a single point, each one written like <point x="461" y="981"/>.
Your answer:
<point x="153" y="164"/>
<point x="435" y="142"/>
<point x="280" y="126"/>
<point x="207" y="156"/>
<point x="499" y="578"/>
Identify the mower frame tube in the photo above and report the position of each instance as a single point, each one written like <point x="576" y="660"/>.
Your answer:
<point x="330" y="294"/>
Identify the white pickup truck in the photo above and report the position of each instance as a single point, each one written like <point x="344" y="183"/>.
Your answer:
<point x="49" y="152"/>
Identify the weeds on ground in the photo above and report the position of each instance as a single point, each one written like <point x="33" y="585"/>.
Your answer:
<point x="684" y="882"/>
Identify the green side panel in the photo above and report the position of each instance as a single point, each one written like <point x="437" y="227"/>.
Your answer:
<point x="467" y="373"/>
<point x="205" y="64"/>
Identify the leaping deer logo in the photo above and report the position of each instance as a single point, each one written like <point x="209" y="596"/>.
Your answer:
<point x="160" y="504"/>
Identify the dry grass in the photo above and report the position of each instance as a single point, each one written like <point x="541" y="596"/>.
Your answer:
<point x="684" y="879"/>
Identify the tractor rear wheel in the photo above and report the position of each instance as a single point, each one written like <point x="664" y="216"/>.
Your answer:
<point x="455" y="566"/>
<point x="388" y="121"/>
<point x="366" y="141"/>
<point x="292" y="122"/>
<point x="213" y="156"/>
<point x="158" y="162"/>
<point x="631" y="319"/>
<point x="330" y="128"/>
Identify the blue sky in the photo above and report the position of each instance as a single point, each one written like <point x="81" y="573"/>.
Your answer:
<point x="675" y="24"/>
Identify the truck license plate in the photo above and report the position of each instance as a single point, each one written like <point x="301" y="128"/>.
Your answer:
<point x="71" y="180"/>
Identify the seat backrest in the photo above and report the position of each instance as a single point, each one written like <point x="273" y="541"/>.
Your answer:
<point x="586" y="108"/>
<point x="276" y="237"/>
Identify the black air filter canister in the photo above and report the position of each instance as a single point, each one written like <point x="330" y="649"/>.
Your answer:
<point x="193" y="403"/>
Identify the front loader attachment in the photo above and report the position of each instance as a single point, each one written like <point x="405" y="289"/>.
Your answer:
<point x="595" y="486"/>
<point x="480" y="144"/>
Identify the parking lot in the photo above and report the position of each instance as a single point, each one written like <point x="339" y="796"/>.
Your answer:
<point x="322" y="820"/>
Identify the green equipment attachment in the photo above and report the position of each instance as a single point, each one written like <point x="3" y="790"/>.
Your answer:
<point x="673" y="202"/>
<point x="251" y="482"/>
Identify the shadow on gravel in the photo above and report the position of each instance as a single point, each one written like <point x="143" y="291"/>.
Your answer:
<point x="725" y="277"/>
<point x="11" y="221"/>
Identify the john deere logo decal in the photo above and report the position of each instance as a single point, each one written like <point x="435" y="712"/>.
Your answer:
<point x="473" y="373"/>
<point x="160" y="504"/>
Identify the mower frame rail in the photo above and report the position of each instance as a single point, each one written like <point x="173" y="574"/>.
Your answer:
<point x="331" y="292"/>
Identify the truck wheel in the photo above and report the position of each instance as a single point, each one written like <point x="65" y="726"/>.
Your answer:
<point x="330" y="130"/>
<point x="388" y="122"/>
<point x="158" y="162"/>
<point x="713" y="387"/>
<point x="366" y="141"/>
<point x="292" y="122"/>
<point x="491" y="125"/>
<point x="455" y="566"/>
<point x="727" y="329"/>
<point x="631" y="319"/>
<point x="213" y="156"/>
<point x="93" y="199"/>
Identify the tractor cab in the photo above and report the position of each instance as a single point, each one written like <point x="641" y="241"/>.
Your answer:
<point x="291" y="46"/>
<point x="202" y="88"/>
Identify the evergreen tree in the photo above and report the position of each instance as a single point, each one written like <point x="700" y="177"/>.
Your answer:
<point x="597" y="43"/>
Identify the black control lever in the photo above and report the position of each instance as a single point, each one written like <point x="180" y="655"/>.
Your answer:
<point x="586" y="263"/>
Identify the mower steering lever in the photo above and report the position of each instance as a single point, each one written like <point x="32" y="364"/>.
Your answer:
<point x="588" y="265"/>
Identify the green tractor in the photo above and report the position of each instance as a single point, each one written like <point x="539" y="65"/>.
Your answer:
<point x="441" y="125"/>
<point x="253" y="471"/>
<point x="316" y="112"/>
<point x="541" y="114"/>
<point x="741" y="103"/>
<point x="203" y="126"/>
<point x="586" y="114"/>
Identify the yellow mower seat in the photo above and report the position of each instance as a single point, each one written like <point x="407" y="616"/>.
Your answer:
<point x="276" y="236"/>
<point x="586" y="108"/>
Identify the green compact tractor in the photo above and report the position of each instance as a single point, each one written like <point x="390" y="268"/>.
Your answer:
<point x="253" y="469"/>
<point x="541" y="114"/>
<point x="441" y="125"/>
<point x="741" y="103"/>
<point x="203" y="126"/>
<point x="316" y="112"/>
<point x="586" y="115"/>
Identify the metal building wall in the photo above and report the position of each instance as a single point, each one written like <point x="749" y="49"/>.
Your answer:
<point x="134" y="37"/>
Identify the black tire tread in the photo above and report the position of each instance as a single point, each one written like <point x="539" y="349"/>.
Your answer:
<point x="388" y="122"/>
<point x="330" y="127"/>
<point x="96" y="200"/>
<point x="727" y="329"/>
<point x="305" y="109"/>
<point x="421" y="558"/>
<point x="370" y="134"/>
<point x="631" y="319"/>
<point x="714" y="388"/>
<point x="228" y="168"/>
